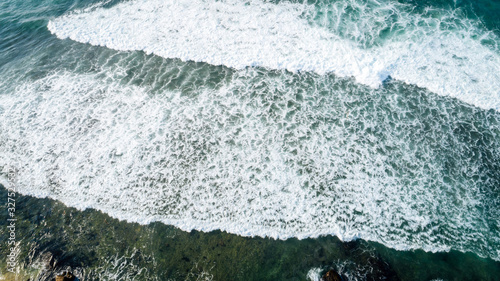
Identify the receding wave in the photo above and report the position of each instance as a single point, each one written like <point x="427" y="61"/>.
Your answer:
<point x="436" y="49"/>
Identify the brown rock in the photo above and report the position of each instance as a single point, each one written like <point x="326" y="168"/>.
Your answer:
<point x="331" y="275"/>
<point x="65" y="277"/>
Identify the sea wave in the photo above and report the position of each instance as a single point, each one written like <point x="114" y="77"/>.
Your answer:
<point x="437" y="49"/>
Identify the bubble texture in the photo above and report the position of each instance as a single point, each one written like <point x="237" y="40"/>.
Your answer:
<point x="267" y="153"/>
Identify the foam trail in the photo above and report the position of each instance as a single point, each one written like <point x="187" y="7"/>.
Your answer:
<point x="430" y="50"/>
<point x="277" y="155"/>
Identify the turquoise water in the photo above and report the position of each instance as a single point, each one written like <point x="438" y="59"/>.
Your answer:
<point x="362" y="120"/>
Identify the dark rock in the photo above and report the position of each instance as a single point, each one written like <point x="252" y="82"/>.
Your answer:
<point x="331" y="275"/>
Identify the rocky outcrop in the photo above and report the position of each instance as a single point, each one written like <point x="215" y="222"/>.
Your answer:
<point x="331" y="275"/>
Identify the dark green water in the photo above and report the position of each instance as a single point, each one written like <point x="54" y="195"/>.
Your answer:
<point x="97" y="247"/>
<point x="242" y="167"/>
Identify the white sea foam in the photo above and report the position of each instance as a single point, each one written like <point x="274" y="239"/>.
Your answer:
<point x="4" y="181"/>
<point x="439" y="51"/>
<point x="247" y="158"/>
<point x="314" y="274"/>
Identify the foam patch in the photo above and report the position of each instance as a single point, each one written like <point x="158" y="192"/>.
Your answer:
<point x="265" y="154"/>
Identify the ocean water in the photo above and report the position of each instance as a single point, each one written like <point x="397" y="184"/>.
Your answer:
<point x="364" y="120"/>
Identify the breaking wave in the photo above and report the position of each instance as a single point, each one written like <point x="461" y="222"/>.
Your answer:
<point x="437" y="49"/>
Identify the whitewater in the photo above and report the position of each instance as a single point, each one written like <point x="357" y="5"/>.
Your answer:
<point x="435" y="49"/>
<point x="281" y="120"/>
